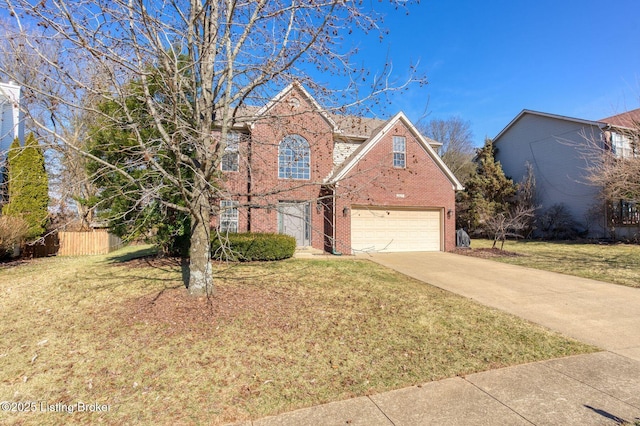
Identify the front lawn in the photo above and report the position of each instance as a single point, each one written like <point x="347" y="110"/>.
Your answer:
<point x="615" y="263"/>
<point x="278" y="336"/>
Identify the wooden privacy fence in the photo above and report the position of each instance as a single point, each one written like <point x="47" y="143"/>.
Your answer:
<point x="47" y="246"/>
<point x="83" y="243"/>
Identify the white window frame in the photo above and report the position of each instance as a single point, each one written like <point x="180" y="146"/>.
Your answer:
<point x="399" y="152"/>
<point x="231" y="156"/>
<point x="228" y="216"/>
<point x="623" y="146"/>
<point x="294" y="158"/>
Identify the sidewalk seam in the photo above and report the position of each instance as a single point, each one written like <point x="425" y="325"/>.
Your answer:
<point x="498" y="401"/>
<point x="588" y="385"/>
<point x="379" y="409"/>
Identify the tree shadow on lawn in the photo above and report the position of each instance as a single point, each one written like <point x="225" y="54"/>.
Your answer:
<point x="127" y="269"/>
<point x="148" y="257"/>
<point x="110" y="280"/>
<point x="141" y="252"/>
<point x="138" y="262"/>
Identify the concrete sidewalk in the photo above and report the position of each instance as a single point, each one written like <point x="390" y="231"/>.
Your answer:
<point x="594" y="389"/>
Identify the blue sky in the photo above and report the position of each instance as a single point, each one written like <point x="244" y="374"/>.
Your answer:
<point x="486" y="61"/>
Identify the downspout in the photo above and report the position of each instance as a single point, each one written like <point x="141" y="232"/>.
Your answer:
<point x="606" y="146"/>
<point x="333" y="225"/>
<point x="249" y="176"/>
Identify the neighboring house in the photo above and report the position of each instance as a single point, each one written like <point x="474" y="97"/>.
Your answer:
<point x="342" y="184"/>
<point x="11" y="124"/>
<point x="555" y="147"/>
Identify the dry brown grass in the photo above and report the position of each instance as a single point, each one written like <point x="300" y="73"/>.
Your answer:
<point x="614" y="263"/>
<point x="277" y="337"/>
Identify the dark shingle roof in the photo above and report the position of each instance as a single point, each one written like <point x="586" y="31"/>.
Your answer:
<point x="629" y="119"/>
<point x="355" y="126"/>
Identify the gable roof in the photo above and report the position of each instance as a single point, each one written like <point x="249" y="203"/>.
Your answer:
<point x="343" y="125"/>
<point x="284" y="92"/>
<point x="629" y="119"/>
<point x="547" y="115"/>
<point x="376" y="137"/>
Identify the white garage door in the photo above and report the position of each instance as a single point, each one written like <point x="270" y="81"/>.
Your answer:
<point x="395" y="230"/>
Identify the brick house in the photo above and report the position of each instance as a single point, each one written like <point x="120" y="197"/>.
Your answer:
<point x="336" y="183"/>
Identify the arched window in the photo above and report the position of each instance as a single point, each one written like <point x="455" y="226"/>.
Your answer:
<point x="294" y="158"/>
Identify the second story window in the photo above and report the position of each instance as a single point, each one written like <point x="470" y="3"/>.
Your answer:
<point x="399" y="151"/>
<point x="294" y="158"/>
<point x="622" y="146"/>
<point x="230" y="157"/>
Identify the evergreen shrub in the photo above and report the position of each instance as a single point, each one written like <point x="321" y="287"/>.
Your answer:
<point x="248" y="247"/>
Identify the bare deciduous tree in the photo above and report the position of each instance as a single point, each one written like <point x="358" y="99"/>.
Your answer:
<point x="612" y="163"/>
<point x="457" y="144"/>
<point x="20" y="61"/>
<point x="618" y="175"/>
<point x="194" y="65"/>
<point x="510" y="224"/>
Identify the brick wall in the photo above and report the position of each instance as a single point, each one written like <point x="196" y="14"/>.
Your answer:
<point x="375" y="182"/>
<point x="372" y="182"/>
<point x="283" y="119"/>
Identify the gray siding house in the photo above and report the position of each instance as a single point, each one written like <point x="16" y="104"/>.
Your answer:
<point x="554" y="146"/>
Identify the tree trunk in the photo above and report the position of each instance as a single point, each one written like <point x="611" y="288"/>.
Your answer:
<point x="200" y="277"/>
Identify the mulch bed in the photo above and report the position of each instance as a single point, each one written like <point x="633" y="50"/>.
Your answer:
<point x="183" y="313"/>
<point x="174" y="307"/>
<point x="486" y="253"/>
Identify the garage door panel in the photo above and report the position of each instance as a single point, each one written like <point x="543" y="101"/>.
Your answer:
<point x="395" y="230"/>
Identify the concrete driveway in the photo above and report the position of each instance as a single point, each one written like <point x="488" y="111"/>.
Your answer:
<point x="602" y="314"/>
<point x="601" y="388"/>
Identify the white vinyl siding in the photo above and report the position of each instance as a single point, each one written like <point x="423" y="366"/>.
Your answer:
<point x="343" y="150"/>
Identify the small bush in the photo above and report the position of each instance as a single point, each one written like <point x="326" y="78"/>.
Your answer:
<point x="249" y="247"/>
<point x="557" y="223"/>
<point x="13" y="231"/>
